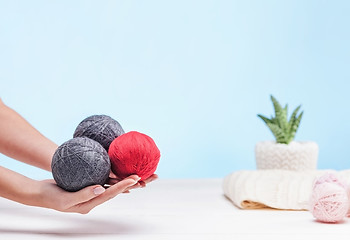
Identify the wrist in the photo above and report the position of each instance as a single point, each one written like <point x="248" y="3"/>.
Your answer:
<point x="32" y="193"/>
<point x="22" y="189"/>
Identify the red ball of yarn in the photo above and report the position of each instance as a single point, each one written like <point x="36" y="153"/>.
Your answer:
<point x="134" y="153"/>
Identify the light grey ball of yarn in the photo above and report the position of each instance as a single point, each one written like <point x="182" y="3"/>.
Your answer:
<point x="80" y="162"/>
<point x="100" y="128"/>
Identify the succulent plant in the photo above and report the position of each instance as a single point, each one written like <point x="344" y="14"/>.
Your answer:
<point x="283" y="129"/>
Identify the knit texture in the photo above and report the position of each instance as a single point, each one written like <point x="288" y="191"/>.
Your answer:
<point x="280" y="189"/>
<point x="293" y="156"/>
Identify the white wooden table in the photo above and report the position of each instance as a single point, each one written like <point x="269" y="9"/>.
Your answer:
<point x="166" y="209"/>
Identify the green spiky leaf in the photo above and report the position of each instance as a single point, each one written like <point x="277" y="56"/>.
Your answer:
<point x="281" y="115"/>
<point x="286" y="109"/>
<point x="283" y="129"/>
<point x="293" y="118"/>
<point x="265" y="119"/>
<point x="295" y="126"/>
<point x="278" y="133"/>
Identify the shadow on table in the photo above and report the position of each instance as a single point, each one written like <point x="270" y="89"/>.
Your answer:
<point x="65" y="225"/>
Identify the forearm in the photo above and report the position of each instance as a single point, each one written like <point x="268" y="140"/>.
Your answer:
<point x="19" y="188"/>
<point x="21" y="141"/>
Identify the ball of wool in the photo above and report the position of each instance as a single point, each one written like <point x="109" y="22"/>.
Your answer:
<point x="134" y="153"/>
<point x="80" y="162"/>
<point x="329" y="202"/>
<point x="100" y="128"/>
<point x="330" y="178"/>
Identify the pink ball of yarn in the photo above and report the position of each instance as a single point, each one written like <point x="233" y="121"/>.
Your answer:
<point x="330" y="178"/>
<point x="329" y="202"/>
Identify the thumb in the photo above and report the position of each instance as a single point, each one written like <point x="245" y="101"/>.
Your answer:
<point x="87" y="194"/>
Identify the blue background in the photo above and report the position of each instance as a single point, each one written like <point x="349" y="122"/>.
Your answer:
<point x="191" y="74"/>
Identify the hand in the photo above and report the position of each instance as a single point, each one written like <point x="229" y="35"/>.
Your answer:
<point x="84" y="200"/>
<point x="113" y="179"/>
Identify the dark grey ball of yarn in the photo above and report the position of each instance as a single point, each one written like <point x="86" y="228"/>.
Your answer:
<point x="100" y="128"/>
<point x="80" y="162"/>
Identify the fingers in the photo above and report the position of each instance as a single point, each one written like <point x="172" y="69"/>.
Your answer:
<point x="111" y="192"/>
<point x="122" y="185"/>
<point x="112" y="181"/>
<point x="141" y="184"/>
<point x="150" y="179"/>
<point x="137" y="185"/>
<point x="86" y="194"/>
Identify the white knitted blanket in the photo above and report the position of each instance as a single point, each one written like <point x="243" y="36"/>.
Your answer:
<point x="280" y="189"/>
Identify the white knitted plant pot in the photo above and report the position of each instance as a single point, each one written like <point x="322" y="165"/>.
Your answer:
<point x="296" y="156"/>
